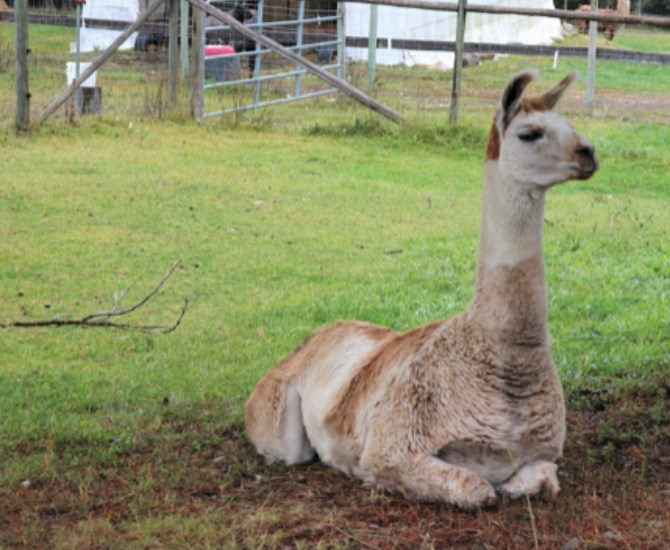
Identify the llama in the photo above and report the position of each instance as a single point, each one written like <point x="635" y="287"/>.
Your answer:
<point x="608" y="28"/>
<point x="457" y="410"/>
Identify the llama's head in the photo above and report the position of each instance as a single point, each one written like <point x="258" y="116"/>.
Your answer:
<point x="534" y="146"/>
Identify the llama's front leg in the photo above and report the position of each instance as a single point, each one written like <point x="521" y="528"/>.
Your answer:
<point x="532" y="479"/>
<point x="429" y="478"/>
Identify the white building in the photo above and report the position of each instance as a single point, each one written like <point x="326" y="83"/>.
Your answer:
<point x="415" y="24"/>
<point x="115" y="10"/>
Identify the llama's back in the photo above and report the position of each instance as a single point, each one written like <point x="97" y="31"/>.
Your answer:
<point x="303" y="387"/>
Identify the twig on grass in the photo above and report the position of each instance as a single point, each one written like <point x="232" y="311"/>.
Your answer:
<point x="101" y="319"/>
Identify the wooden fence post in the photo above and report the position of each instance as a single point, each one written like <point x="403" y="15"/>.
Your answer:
<point x="458" y="62"/>
<point x="341" y="39"/>
<point x="21" y="43"/>
<point x="372" y="44"/>
<point x="184" y="7"/>
<point x="197" y="64"/>
<point x="591" y="56"/>
<point x="173" y="52"/>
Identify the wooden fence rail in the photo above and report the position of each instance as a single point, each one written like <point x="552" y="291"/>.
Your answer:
<point x="502" y="10"/>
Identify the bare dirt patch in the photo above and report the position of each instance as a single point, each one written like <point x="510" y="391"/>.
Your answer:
<point x="615" y="481"/>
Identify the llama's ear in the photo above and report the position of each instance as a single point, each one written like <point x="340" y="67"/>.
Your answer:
<point x="550" y="98"/>
<point x="511" y="98"/>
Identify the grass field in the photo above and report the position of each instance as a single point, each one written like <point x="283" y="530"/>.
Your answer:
<point x="114" y="438"/>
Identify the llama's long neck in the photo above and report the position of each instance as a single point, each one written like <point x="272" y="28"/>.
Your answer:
<point x="510" y="301"/>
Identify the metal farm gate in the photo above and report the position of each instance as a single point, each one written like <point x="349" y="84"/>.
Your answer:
<point x="240" y="74"/>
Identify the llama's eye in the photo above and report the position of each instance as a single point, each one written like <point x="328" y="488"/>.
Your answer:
<point x="532" y="135"/>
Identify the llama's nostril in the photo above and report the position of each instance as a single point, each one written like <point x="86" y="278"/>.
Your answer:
<point x="586" y="150"/>
<point x="587" y="153"/>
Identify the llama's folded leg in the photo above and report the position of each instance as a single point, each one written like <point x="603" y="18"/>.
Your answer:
<point x="431" y="479"/>
<point x="532" y="479"/>
<point x="274" y="421"/>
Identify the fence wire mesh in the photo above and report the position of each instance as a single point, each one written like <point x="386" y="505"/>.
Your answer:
<point x="133" y="82"/>
<point x="241" y="74"/>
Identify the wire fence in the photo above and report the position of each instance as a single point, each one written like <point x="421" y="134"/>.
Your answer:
<point x="134" y="82"/>
<point x="241" y="75"/>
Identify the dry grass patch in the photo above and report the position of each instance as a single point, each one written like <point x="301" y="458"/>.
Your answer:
<point x="615" y="494"/>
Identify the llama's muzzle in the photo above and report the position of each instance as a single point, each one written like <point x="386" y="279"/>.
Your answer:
<point x="586" y="163"/>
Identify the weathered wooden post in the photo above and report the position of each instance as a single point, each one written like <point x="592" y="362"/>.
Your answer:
<point x="198" y="63"/>
<point x="77" y="56"/>
<point x="591" y="56"/>
<point x="372" y="44"/>
<point x="458" y="62"/>
<point x="22" y="51"/>
<point x="184" y="7"/>
<point x="173" y="52"/>
<point x="341" y="69"/>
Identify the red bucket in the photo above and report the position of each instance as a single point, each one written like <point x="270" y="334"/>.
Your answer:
<point x="211" y="51"/>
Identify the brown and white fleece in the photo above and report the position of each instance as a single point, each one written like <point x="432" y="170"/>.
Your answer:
<point x="455" y="410"/>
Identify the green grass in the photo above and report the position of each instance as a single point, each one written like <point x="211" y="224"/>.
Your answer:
<point x="286" y="220"/>
<point x="280" y="233"/>
<point x="611" y="76"/>
<point x="656" y="39"/>
<point x="643" y="39"/>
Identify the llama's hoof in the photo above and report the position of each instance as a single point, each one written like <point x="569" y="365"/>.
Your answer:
<point x="476" y="493"/>
<point x="537" y="479"/>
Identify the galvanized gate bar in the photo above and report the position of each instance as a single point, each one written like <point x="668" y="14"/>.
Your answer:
<point x="298" y="42"/>
<point x="292" y="33"/>
<point x="268" y="103"/>
<point x="270" y="24"/>
<point x="335" y="81"/>
<point x="264" y="78"/>
<point x="257" y="64"/>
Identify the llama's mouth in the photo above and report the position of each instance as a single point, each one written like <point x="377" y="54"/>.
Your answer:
<point x="584" y="174"/>
<point x="586" y="168"/>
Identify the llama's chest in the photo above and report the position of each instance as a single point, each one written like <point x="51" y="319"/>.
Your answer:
<point x="496" y="464"/>
<point x="495" y="439"/>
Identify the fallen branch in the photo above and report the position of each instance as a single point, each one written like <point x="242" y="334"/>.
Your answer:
<point x="101" y="319"/>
